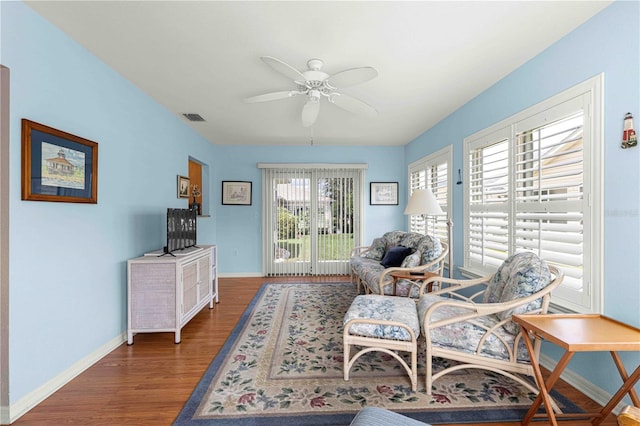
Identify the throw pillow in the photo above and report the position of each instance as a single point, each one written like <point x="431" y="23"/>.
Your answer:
<point x="395" y="255"/>
<point x="377" y="249"/>
<point x="520" y="275"/>
<point x="430" y="248"/>
<point x="412" y="260"/>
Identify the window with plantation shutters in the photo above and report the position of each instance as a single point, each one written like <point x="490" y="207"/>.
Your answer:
<point x="534" y="184"/>
<point x="432" y="172"/>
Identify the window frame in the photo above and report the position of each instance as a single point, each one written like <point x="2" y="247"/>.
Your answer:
<point x="444" y="155"/>
<point x="554" y="108"/>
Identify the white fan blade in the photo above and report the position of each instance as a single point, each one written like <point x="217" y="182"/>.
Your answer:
<point x="352" y="76"/>
<point x="284" y="69"/>
<point x="310" y="112"/>
<point x="352" y="104"/>
<point x="271" y="96"/>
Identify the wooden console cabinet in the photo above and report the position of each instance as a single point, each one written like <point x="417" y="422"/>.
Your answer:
<point x="165" y="292"/>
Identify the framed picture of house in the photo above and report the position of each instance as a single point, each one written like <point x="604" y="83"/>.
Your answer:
<point x="384" y="194"/>
<point x="184" y="187"/>
<point x="58" y="166"/>
<point x="236" y="193"/>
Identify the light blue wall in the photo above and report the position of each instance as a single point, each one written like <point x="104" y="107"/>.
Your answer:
<point x="241" y="232"/>
<point x="609" y="43"/>
<point x="68" y="261"/>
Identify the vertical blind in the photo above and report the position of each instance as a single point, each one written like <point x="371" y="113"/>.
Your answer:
<point x="311" y="218"/>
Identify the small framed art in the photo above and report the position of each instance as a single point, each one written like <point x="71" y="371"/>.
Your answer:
<point x="236" y="193"/>
<point x="58" y="166"/>
<point x="384" y="194"/>
<point x="184" y="187"/>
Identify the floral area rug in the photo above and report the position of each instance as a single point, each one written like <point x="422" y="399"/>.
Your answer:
<point x="283" y="365"/>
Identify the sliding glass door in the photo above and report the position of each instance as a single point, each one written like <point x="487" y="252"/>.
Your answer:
<point x="311" y="219"/>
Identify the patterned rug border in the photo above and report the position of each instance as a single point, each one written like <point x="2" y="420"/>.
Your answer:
<point x="468" y="416"/>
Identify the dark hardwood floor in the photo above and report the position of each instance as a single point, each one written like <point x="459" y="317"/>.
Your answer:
<point x="148" y="383"/>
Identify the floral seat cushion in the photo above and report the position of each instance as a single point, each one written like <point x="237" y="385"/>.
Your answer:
<point x="466" y="336"/>
<point x="387" y="308"/>
<point x="359" y="264"/>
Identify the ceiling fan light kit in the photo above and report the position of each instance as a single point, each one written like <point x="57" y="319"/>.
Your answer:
<point x="316" y="84"/>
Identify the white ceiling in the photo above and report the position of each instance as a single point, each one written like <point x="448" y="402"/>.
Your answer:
<point x="204" y="57"/>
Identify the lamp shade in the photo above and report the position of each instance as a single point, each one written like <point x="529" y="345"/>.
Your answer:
<point x="423" y="201"/>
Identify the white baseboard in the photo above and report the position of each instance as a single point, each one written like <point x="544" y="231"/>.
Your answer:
<point x="594" y="392"/>
<point x="4" y="415"/>
<point x="241" y="275"/>
<point x="26" y="403"/>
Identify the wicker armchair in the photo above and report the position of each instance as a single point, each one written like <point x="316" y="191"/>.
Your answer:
<point x="477" y="330"/>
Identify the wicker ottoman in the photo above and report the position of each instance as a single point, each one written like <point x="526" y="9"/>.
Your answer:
<point x="382" y="323"/>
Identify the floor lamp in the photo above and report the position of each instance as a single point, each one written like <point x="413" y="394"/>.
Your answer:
<point x="424" y="203"/>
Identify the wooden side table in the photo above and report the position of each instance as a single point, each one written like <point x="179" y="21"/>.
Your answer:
<point x="579" y="333"/>
<point x="406" y="275"/>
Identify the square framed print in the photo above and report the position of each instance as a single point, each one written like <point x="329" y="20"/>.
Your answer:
<point x="384" y="194"/>
<point x="236" y="193"/>
<point x="58" y="166"/>
<point x="184" y="187"/>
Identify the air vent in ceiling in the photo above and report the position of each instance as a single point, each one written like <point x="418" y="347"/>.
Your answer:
<point x="194" y="117"/>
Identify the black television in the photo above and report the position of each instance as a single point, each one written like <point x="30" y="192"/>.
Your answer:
<point x="181" y="229"/>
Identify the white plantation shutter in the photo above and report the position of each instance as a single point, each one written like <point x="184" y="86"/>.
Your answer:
<point x="417" y="180"/>
<point x="432" y="172"/>
<point x="531" y="188"/>
<point x="549" y="194"/>
<point x="488" y="177"/>
<point x="438" y="182"/>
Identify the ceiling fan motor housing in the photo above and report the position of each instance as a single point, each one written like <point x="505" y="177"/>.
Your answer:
<point x="311" y="75"/>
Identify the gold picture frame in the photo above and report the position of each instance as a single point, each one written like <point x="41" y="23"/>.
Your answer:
<point x="58" y="166"/>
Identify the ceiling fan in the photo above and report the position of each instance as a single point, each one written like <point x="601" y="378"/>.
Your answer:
<point x="316" y="84"/>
